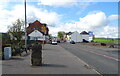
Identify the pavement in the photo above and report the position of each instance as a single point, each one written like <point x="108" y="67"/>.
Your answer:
<point x="56" y="60"/>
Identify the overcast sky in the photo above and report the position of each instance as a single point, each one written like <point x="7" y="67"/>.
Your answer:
<point x="68" y="15"/>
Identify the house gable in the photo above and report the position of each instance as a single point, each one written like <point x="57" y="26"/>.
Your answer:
<point x="41" y="27"/>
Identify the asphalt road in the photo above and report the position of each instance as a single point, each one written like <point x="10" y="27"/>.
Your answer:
<point x="104" y="60"/>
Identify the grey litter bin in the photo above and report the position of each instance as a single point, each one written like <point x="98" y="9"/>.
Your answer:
<point x="7" y="53"/>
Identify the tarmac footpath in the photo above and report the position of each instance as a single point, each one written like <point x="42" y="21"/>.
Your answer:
<point x="56" y="60"/>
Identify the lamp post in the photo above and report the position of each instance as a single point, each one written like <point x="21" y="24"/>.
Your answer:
<point x="107" y="37"/>
<point x="25" y="28"/>
<point x="76" y="31"/>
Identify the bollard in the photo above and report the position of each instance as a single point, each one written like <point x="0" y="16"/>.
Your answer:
<point x="36" y="57"/>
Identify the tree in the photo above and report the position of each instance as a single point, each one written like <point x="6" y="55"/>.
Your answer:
<point x="17" y="30"/>
<point x="61" y="35"/>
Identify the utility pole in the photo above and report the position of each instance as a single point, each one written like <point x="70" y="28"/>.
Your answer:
<point x="25" y="29"/>
<point x="76" y="31"/>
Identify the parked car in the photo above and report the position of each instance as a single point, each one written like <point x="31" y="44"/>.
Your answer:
<point x="85" y="41"/>
<point x="58" y="41"/>
<point x="54" y="42"/>
<point x="72" y="42"/>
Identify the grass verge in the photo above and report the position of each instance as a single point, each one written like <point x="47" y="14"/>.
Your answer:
<point x="107" y="40"/>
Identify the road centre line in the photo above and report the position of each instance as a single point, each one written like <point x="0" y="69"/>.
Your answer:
<point x="106" y="56"/>
<point x="103" y="55"/>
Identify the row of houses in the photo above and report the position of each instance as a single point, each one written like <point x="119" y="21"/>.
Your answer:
<point x="79" y="37"/>
<point x="40" y="31"/>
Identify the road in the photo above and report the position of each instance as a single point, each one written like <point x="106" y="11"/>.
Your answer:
<point x="104" y="60"/>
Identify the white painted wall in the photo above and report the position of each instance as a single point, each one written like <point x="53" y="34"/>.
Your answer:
<point x="36" y="35"/>
<point x="79" y="37"/>
<point x="76" y="37"/>
<point x="90" y="38"/>
<point x="86" y="37"/>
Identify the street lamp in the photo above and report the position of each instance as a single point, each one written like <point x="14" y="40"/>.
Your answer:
<point x="25" y="28"/>
<point x="107" y="37"/>
<point x="76" y="31"/>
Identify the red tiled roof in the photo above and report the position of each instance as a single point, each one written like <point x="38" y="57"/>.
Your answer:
<point x="35" y="26"/>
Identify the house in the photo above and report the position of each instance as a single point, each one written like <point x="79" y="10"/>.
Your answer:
<point x="79" y="37"/>
<point x="84" y="35"/>
<point x="36" y="35"/>
<point x="38" y="29"/>
<point x="91" y="36"/>
<point x="76" y="37"/>
<point x="68" y="36"/>
<point x="41" y="27"/>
